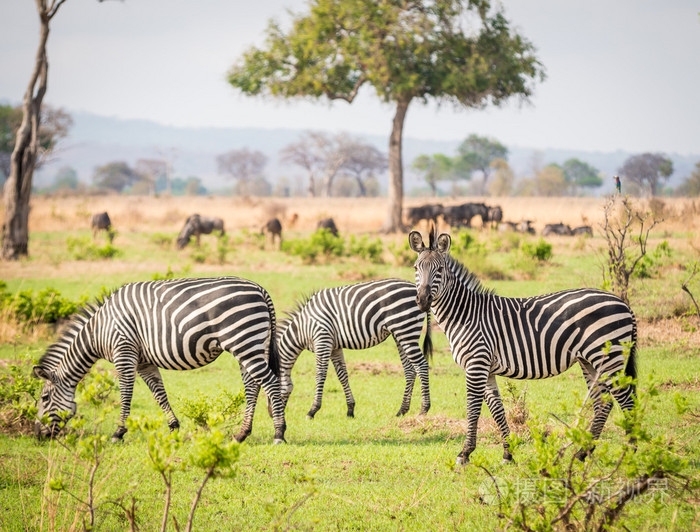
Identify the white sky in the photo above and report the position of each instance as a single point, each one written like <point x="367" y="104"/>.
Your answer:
<point x="621" y="74"/>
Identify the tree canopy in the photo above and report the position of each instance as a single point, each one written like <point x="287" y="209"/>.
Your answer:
<point x="447" y="50"/>
<point x="648" y="170"/>
<point x="476" y="154"/>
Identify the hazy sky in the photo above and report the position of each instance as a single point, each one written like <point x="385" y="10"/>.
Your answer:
<point x="621" y="74"/>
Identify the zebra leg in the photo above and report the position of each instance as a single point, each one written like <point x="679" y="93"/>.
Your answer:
<point x="625" y="397"/>
<point x="495" y="404"/>
<point x="323" y="355"/>
<point x="477" y="373"/>
<point x="252" y="390"/>
<point x="601" y="406"/>
<point x="420" y="366"/>
<point x="125" y="363"/>
<point x="341" y="370"/>
<point x="410" y="376"/>
<point x="151" y="376"/>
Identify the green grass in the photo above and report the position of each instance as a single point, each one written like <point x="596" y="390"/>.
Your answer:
<point x="373" y="472"/>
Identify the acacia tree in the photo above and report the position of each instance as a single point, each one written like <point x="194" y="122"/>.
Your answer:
<point x="243" y="165"/>
<point x="648" y="170"/>
<point x="363" y="163"/>
<point x="581" y="174"/>
<point x="476" y="155"/>
<point x="435" y="167"/>
<point x="446" y="50"/>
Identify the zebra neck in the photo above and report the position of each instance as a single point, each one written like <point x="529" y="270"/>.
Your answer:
<point x="79" y="357"/>
<point x="457" y="296"/>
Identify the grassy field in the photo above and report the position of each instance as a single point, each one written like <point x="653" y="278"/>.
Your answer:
<point x="376" y="471"/>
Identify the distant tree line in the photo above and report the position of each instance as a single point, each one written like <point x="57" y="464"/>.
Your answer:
<point x="480" y="167"/>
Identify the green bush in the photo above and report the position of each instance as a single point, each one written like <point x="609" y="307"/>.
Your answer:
<point x="18" y="395"/>
<point x="162" y="240"/>
<point x="541" y="251"/>
<point x="403" y="254"/>
<point x="83" y="248"/>
<point x="46" y="306"/>
<point x="364" y="248"/>
<point x="200" y="408"/>
<point x="321" y="243"/>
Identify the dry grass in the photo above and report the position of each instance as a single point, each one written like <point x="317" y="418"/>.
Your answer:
<point x="137" y="214"/>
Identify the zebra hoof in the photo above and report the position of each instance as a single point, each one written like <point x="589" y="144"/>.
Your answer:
<point x="310" y="417"/>
<point x="459" y="462"/>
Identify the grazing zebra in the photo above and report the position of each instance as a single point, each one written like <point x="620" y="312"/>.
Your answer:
<point x="523" y="338"/>
<point x="175" y="324"/>
<point x="357" y="316"/>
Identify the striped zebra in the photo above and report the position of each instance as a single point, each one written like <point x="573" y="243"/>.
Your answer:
<point x="357" y="316"/>
<point x="524" y="338"/>
<point x="177" y="324"/>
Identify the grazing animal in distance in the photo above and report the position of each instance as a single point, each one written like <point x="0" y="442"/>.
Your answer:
<point x="327" y="223"/>
<point x="495" y="215"/>
<point x="357" y="316"/>
<point x="582" y="230"/>
<point x="274" y="229"/>
<point x="101" y="222"/>
<point x="428" y="212"/>
<point x="293" y="219"/>
<point x="196" y="226"/>
<point x="524" y="338"/>
<point x="557" y="229"/>
<point x="462" y="215"/>
<point x="176" y="324"/>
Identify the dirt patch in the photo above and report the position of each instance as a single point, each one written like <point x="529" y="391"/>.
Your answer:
<point x="670" y="331"/>
<point x="375" y="368"/>
<point x="690" y="385"/>
<point x="455" y="427"/>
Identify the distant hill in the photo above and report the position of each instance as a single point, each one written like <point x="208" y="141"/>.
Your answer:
<point x="97" y="140"/>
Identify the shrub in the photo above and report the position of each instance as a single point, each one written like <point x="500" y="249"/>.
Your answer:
<point x="321" y="243"/>
<point x="403" y="254"/>
<point x="199" y="408"/>
<point x="83" y="248"/>
<point x="541" y="251"/>
<point x="18" y="395"/>
<point x="366" y="249"/>
<point x="47" y="306"/>
<point x="162" y="240"/>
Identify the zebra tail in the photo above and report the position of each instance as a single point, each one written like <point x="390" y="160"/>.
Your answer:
<point x="428" y="341"/>
<point x="273" y="352"/>
<point x="631" y="368"/>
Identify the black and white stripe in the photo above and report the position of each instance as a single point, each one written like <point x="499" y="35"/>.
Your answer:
<point x="524" y="338"/>
<point x="357" y="316"/>
<point x="176" y="324"/>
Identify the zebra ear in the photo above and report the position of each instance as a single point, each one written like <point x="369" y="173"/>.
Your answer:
<point x="41" y="373"/>
<point x="415" y="240"/>
<point x="444" y="241"/>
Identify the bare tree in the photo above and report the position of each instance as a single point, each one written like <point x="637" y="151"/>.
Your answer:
<point x="151" y="170"/>
<point x="618" y="232"/>
<point x="364" y="162"/>
<point x="242" y="165"/>
<point x="18" y="187"/>
<point x="303" y="154"/>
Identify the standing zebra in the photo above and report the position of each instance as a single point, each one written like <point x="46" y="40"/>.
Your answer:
<point x="357" y="316"/>
<point x="176" y="324"/>
<point x="523" y="338"/>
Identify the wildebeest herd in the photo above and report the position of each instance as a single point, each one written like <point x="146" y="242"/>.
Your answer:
<point x="491" y="215"/>
<point x="190" y="322"/>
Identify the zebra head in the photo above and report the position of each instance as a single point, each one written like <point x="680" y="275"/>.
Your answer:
<point x="56" y="403"/>
<point x="430" y="265"/>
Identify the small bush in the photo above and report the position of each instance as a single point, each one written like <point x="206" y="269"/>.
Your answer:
<point x="541" y="251"/>
<point x="162" y="240"/>
<point x="366" y="249"/>
<point x="47" y="306"/>
<point x="403" y="254"/>
<point x="321" y="243"/>
<point x="200" y="408"/>
<point x="83" y="248"/>
<point x="18" y="395"/>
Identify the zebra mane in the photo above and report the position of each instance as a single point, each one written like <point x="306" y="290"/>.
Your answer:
<point x="299" y="305"/>
<point x="465" y="277"/>
<point x="54" y="354"/>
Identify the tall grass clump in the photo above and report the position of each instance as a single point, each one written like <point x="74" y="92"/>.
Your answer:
<point x="83" y="248"/>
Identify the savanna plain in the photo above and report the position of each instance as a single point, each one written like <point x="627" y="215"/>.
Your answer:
<point x="375" y="471"/>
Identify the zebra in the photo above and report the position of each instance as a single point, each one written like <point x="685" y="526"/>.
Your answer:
<point x="524" y="338"/>
<point x="357" y="316"/>
<point x="176" y="324"/>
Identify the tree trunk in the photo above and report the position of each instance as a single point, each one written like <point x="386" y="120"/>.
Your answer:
<point x="17" y="191"/>
<point x="394" y="221"/>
